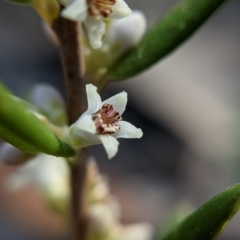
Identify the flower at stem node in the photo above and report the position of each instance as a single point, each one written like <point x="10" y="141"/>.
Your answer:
<point x="102" y="123"/>
<point x="93" y="13"/>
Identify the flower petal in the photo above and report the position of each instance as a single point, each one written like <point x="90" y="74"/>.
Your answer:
<point x="127" y="130"/>
<point x="119" y="102"/>
<point x="76" y="11"/>
<point x="120" y="10"/>
<point x="110" y="144"/>
<point x="83" y="132"/>
<point x="95" y="29"/>
<point x="86" y="124"/>
<point x="93" y="98"/>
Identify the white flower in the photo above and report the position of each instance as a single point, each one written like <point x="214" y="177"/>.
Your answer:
<point x="120" y="36"/>
<point x="102" y="123"/>
<point x="50" y="174"/>
<point x="104" y="211"/>
<point x="93" y="13"/>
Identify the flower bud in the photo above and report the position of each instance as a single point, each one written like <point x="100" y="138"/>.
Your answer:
<point x="104" y="211"/>
<point x="49" y="102"/>
<point x="128" y="31"/>
<point x="50" y="174"/>
<point x="120" y="36"/>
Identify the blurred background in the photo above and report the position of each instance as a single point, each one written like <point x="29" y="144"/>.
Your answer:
<point x="187" y="106"/>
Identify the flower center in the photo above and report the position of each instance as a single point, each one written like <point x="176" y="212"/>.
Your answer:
<point x="106" y="120"/>
<point x="100" y="8"/>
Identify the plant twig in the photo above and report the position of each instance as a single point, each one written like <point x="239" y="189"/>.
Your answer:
<point x="78" y="211"/>
<point x="69" y="36"/>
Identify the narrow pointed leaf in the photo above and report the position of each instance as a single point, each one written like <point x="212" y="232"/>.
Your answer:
<point x="208" y="221"/>
<point x="165" y="36"/>
<point x="25" y="131"/>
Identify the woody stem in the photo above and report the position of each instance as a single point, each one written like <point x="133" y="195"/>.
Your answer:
<point x="70" y="40"/>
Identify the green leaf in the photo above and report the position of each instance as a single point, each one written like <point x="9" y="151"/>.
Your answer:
<point x="25" y="131"/>
<point x="208" y="221"/>
<point x="164" y="37"/>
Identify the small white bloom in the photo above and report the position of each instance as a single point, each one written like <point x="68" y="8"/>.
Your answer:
<point x="102" y="123"/>
<point x="120" y="36"/>
<point x="93" y="13"/>
<point x="49" y="173"/>
<point x="104" y="212"/>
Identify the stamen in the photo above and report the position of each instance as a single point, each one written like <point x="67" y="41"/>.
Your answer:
<point x="106" y="120"/>
<point x="100" y="8"/>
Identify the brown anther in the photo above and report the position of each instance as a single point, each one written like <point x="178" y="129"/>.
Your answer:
<point x="107" y="120"/>
<point x="100" y="8"/>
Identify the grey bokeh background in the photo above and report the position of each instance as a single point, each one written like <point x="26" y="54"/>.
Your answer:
<point x="187" y="106"/>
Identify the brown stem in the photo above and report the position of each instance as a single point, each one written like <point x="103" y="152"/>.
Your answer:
<point x="78" y="211"/>
<point x="69" y="36"/>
